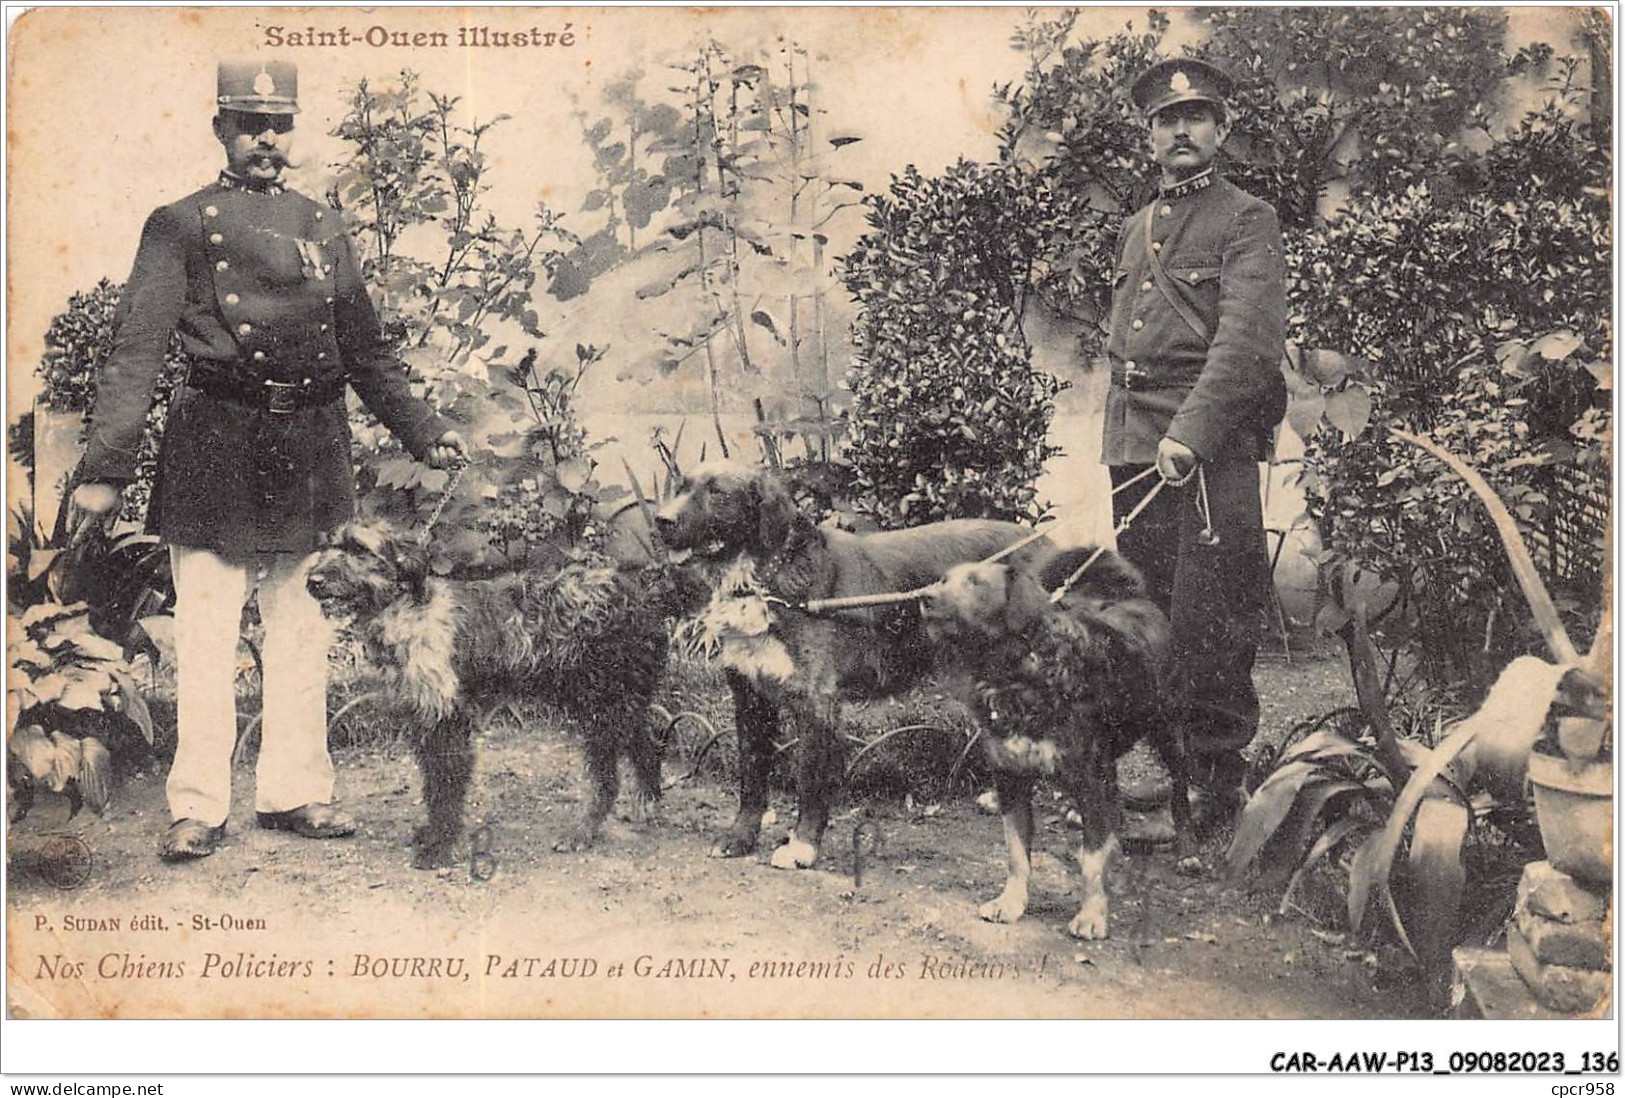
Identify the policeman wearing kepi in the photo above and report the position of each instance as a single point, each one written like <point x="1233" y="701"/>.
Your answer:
<point x="1197" y="329"/>
<point x="273" y="320"/>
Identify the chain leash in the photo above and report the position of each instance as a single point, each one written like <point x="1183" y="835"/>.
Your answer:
<point x="445" y="497"/>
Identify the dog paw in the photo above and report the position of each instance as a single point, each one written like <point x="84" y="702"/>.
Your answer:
<point x="795" y="854"/>
<point x="434" y="855"/>
<point x="645" y="808"/>
<point x="575" y="840"/>
<point x="428" y="835"/>
<point x="1006" y="908"/>
<point x="1090" y="921"/>
<point x="734" y="844"/>
<point x="1191" y="866"/>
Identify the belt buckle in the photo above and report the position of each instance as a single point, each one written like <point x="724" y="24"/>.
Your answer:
<point x="282" y="397"/>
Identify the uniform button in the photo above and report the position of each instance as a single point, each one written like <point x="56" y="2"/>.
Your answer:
<point x="210" y="211"/>
<point x="216" y="238"/>
<point x="1156" y="245"/>
<point x="259" y="356"/>
<point x="1146" y="285"/>
<point x="1166" y="210"/>
<point x="222" y="265"/>
<point x="1138" y="324"/>
<point x="1129" y="365"/>
<point x="244" y="328"/>
<point x="232" y="299"/>
<point x="330" y="301"/>
<point x="318" y="215"/>
<point x="324" y="327"/>
<point x="321" y="355"/>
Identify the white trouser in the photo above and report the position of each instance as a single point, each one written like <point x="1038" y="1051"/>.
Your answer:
<point x="294" y="767"/>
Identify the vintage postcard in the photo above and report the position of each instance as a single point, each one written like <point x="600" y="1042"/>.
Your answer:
<point x="632" y="336"/>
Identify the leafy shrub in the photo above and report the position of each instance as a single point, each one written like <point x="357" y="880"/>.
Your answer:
<point x="447" y="297"/>
<point x="1508" y="368"/>
<point x="949" y="418"/>
<point x="76" y="344"/>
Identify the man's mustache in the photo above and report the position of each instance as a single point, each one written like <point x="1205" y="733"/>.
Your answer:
<point x="275" y="156"/>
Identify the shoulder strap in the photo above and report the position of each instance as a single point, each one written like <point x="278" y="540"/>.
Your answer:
<point x="1165" y="283"/>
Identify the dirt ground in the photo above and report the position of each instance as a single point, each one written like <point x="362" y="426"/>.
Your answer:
<point x="646" y="925"/>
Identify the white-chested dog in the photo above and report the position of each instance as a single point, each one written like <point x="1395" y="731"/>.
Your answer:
<point x="1061" y="692"/>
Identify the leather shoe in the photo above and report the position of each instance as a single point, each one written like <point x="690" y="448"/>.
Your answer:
<point x="313" y="821"/>
<point x="1146" y="794"/>
<point x="1147" y="828"/>
<point x="188" y="839"/>
<point x="1215" y="811"/>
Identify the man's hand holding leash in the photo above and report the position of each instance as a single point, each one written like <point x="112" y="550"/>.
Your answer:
<point x="1175" y="461"/>
<point x="448" y="451"/>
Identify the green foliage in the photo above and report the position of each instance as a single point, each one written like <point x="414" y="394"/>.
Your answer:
<point x="76" y="344"/>
<point x="949" y="418"/>
<point x="1327" y="792"/>
<point x="20" y="444"/>
<point x="412" y="162"/>
<point x="60" y="661"/>
<point x="1482" y="318"/>
<point x="717" y="198"/>
<point x="1071" y="124"/>
<point x="1405" y="80"/>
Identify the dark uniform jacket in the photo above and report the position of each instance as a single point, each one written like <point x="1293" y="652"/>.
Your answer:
<point x="262" y="287"/>
<point x="1222" y="248"/>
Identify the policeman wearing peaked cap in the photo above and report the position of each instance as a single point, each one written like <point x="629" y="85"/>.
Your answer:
<point x="260" y="287"/>
<point x="1196" y="338"/>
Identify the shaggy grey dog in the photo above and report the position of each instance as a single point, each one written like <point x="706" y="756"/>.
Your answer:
<point x="590" y="639"/>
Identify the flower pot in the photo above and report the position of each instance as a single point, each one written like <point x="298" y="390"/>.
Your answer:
<point x="1581" y="737"/>
<point x="1575" y="807"/>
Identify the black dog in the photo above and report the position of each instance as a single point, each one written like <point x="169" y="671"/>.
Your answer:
<point x="1061" y="692"/>
<point x="590" y="639"/>
<point x="779" y="655"/>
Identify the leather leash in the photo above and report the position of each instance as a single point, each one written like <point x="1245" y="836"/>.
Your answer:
<point x="892" y="598"/>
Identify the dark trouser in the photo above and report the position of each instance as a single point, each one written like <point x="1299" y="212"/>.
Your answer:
<point x="1213" y="596"/>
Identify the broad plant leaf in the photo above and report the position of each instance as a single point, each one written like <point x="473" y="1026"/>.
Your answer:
<point x="1437" y="877"/>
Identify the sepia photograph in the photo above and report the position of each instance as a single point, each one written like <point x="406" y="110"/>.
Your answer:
<point x="815" y="513"/>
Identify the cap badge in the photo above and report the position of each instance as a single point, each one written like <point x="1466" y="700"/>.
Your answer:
<point x="1180" y="82"/>
<point x="264" y="85"/>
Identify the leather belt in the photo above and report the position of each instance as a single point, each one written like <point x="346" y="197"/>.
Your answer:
<point x="279" y="398"/>
<point x="1141" y="379"/>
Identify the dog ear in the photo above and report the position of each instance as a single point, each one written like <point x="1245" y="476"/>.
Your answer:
<point x="775" y="510"/>
<point x="1024" y="599"/>
<point x="411" y="561"/>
